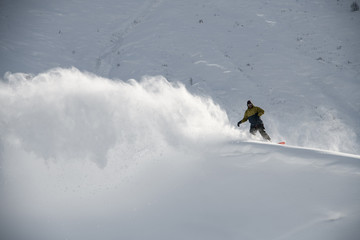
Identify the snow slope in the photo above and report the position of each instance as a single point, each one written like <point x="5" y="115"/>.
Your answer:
<point x="296" y="59"/>
<point x="88" y="154"/>
<point x="84" y="157"/>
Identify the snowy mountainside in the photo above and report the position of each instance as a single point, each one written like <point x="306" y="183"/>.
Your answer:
<point x="84" y="157"/>
<point x="296" y="59"/>
<point x="118" y="119"/>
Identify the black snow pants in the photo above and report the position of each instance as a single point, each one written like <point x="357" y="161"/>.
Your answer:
<point x="261" y="129"/>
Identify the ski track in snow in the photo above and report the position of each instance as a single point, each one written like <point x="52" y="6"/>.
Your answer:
<point x="329" y="218"/>
<point x="104" y="62"/>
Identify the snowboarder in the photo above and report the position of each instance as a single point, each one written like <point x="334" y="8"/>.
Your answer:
<point x="253" y="113"/>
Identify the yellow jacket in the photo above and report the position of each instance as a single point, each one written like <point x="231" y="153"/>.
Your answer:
<point x="253" y="114"/>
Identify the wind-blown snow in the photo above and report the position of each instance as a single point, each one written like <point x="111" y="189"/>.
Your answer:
<point x="86" y="153"/>
<point x="68" y="114"/>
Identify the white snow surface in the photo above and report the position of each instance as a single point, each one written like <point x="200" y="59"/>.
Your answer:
<point x="118" y="120"/>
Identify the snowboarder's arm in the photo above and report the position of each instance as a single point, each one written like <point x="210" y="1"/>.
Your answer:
<point x="245" y="118"/>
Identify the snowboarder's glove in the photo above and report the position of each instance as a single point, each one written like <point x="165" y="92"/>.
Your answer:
<point x="239" y="124"/>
